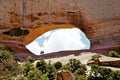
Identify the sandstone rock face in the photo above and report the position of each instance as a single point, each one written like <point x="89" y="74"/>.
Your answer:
<point x="99" y="19"/>
<point x="64" y="75"/>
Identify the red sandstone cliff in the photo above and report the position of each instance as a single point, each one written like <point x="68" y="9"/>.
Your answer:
<point x="99" y="19"/>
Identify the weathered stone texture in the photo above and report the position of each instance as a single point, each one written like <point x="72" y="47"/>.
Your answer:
<point x="99" y="19"/>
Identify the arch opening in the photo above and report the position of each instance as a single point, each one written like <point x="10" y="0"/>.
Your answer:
<point x="59" y="40"/>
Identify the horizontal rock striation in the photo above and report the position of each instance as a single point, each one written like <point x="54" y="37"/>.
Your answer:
<point x="98" y="19"/>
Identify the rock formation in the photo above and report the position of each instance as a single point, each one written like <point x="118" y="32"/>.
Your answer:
<point x="99" y="20"/>
<point x="113" y="63"/>
<point x="64" y="75"/>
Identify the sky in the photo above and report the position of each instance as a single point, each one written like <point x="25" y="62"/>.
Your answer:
<point x="59" y="40"/>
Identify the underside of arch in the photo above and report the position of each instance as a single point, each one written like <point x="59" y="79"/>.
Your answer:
<point x="34" y="33"/>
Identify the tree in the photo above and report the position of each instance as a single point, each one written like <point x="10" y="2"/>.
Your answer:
<point x="113" y="54"/>
<point x="27" y="66"/>
<point x="104" y="72"/>
<point x="114" y="75"/>
<point x="80" y="71"/>
<point x="58" y="65"/>
<point x="34" y="74"/>
<point x="74" y="64"/>
<point x="31" y="59"/>
<point x="44" y="77"/>
<point x="8" y="66"/>
<point x="94" y="70"/>
<point x="99" y="73"/>
<point x="41" y="65"/>
<point x="80" y="78"/>
<point x="51" y="71"/>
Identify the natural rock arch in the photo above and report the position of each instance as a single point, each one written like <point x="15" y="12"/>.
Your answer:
<point x="99" y="20"/>
<point x="34" y="33"/>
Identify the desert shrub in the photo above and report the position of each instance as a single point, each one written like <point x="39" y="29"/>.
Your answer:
<point x="5" y="55"/>
<point x="94" y="73"/>
<point x="47" y="69"/>
<point x="83" y="66"/>
<point x="80" y="71"/>
<point x="96" y="56"/>
<point x="114" y="75"/>
<point x="80" y="78"/>
<point x="34" y="74"/>
<point x="113" y="53"/>
<point x="99" y="73"/>
<point x="44" y="77"/>
<point x="66" y="67"/>
<point x="2" y="46"/>
<point x="90" y="77"/>
<point x="75" y="64"/>
<point x="51" y="71"/>
<point x="58" y="65"/>
<point x="94" y="70"/>
<point x="104" y="72"/>
<point x="27" y="66"/>
<point x="31" y="59"/>
<point x="8" y="66"/>
<point x="41" y="65"/>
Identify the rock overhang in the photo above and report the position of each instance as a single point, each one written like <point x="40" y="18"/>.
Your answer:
<point x="100" y="21"/>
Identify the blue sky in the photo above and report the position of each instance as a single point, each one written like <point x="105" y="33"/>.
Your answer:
<point x="59" y="40"/>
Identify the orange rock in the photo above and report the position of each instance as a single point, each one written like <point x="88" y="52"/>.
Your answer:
<point x="100" y="21"/>
<point x="64" y="75"/>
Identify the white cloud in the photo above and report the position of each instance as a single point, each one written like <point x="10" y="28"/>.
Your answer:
<point x="60" y="39"/>
<point x="64" y="39"/>
<point x="47" y="34"/>
<point x="34" y="47"/>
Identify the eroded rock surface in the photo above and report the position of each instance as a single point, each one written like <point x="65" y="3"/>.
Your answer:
<point x="64" y="75"/>
<point x="99" y="19"/>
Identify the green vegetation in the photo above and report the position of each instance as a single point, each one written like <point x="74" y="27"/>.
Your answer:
<point x="30" y="59"/>
<point x="58" y="65"/>
<point x="96" y="56"/>
<point x="66" y="67"/>
<point x="42" y="66"/>
<point x="75" y="64"/>
<point x="11" y="70"/>
<point x="2" y="46"/>
<point x="113" y="53"/>
<point x="44" y="77"/>
<point x="26" y="67"/>
<point x="80" y="77"/>
<point x="45" y="68"/>
<point x="80" y="71"/>
<point x="8" y="66"/>
<point x="51" y="71"/>
<point x="102" y="73"/>
<point x="34" y="74"/>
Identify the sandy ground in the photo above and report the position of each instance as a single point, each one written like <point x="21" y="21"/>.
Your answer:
<point x="84" y="57"/>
